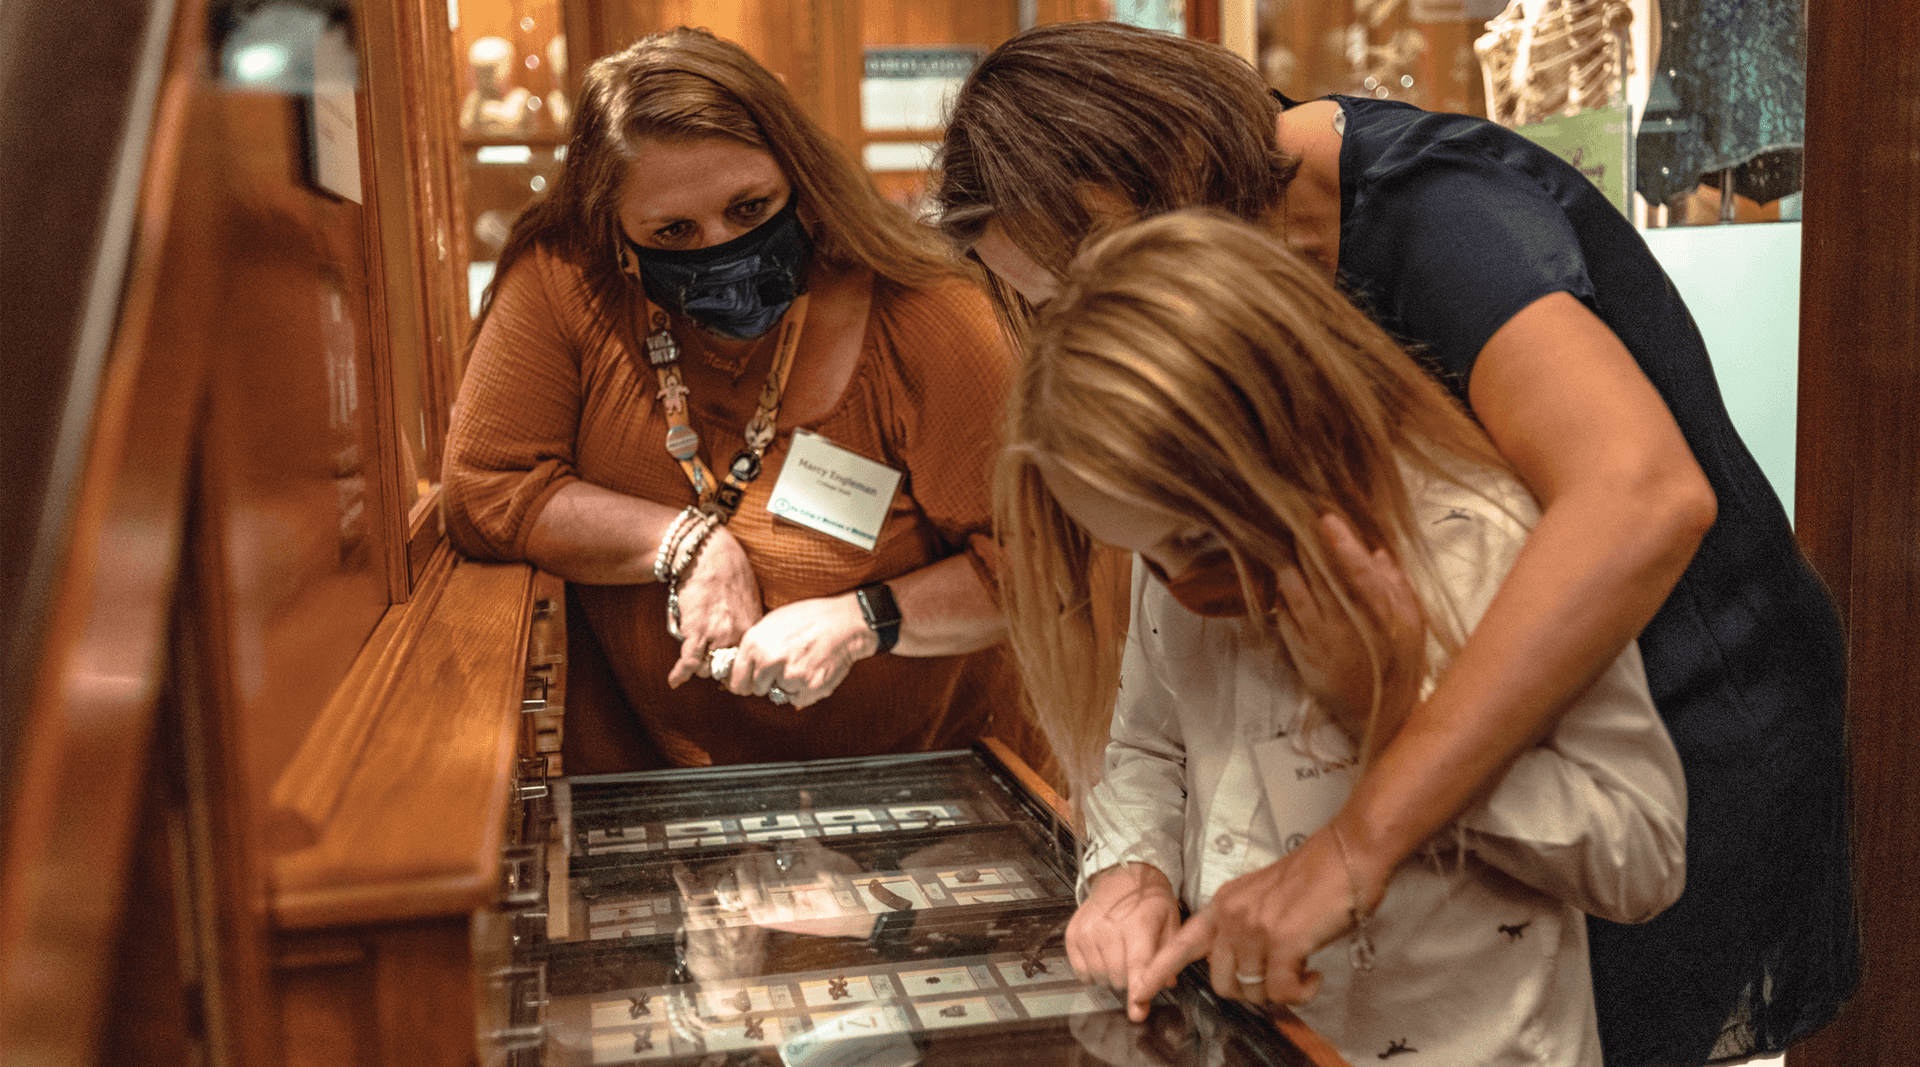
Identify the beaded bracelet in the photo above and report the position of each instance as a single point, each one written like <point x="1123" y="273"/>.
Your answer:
<point x="694" y="541"/>
<point x="670" y="543"/>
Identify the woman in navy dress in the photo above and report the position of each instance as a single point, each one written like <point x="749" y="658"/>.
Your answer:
<point x="1541" y="308"/>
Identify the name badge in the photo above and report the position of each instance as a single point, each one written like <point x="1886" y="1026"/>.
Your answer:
<point x="839" y="493"/>
<point x="1304" y="793"/>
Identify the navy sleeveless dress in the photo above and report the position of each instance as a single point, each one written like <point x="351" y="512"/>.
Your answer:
<point x="1449" y="226"/>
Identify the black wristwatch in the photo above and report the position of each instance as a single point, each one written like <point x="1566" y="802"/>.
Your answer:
<point x="883" y="615"/>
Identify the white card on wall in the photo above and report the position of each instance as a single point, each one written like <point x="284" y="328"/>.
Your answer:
<point x="333" y="112"/>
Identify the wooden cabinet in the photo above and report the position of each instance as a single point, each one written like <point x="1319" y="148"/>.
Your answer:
<point x="263" y="728"/>
<point x="242" y="591"/>
<point x="381" y="943"/>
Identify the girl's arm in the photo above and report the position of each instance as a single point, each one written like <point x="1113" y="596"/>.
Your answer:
<point x="1597" y="816"/>
<point x="596" y="536"/>
<point x="1135" y="824"/>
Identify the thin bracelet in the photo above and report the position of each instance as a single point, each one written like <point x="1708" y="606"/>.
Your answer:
<point x="694" y="542"/>
<point x="1361" y="951"/>
<point x="669" y="542"/>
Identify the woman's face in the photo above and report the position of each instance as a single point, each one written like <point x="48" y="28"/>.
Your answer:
<point x="683" y="195"/>
<point x="1168" y="541"/>
<point x="1004" y="259"/>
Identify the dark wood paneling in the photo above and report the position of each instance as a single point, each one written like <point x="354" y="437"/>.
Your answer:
<point x="86" y="701"/>
<point x="1857" y="500"/>
<point x="65" y="203"/>
<point x="938" y="22"/>
<point x="1203" y="20"/>
<point x="398" y="996"/>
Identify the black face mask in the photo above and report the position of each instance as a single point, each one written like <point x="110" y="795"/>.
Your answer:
<point x="738" y="289"/>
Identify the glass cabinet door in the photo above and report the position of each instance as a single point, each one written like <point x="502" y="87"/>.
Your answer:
<point x="892" y="910"/>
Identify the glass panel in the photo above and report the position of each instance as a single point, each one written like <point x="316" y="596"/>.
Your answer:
<point x="1420" y="51"/>
<point x="916" y="53"/>
<point x="885" y="911"/>
<point x="502" y="179"/>
<point x="1725" y="110"/>
<point x="1664" y="116"/>
<point x="512" y="57"/>
<point x="515" y="67"/>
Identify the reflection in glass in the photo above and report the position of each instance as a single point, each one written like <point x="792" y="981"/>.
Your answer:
<point x="890" y="911"/>
<point x="495" y="107"/>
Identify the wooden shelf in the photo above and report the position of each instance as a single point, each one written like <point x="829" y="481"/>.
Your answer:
<point x="403" y="782"/>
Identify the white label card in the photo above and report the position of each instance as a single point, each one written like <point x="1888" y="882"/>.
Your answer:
<point x="837" y="492"/>
<point x="1303" y="793"/>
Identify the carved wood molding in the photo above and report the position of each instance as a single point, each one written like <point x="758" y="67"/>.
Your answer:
<point x="311" y="787"/>
<point x="403" y="783"/>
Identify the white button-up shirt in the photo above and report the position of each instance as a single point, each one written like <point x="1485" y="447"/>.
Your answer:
<point x="1217" y="768"/>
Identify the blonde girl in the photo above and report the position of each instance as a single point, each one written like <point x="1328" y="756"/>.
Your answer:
<point x="1205" y="398"/>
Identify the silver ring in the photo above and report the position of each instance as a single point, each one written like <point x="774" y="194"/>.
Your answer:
<point x="779" y="696"/>
<point x="720" y="662"/>
<point x="1250" y="979"/>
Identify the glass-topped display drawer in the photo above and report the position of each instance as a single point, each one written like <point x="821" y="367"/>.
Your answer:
<point x="881" y="912"/>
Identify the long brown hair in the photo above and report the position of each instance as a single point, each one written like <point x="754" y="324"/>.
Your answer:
<point x="1163" y="121"/>
<point x="1194" y="365"/>
<point x="686" y="84"/>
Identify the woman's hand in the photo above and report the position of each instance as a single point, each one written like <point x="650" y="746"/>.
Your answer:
<point x="719" y="602"/>
<point x="805" y="648"/>
<point x="1130" y="912"/>
<point x="1326" y="648"/>
<point x="1267" y="923"/>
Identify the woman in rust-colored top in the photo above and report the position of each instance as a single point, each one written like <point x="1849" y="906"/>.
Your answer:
<point x="713" y="309"/>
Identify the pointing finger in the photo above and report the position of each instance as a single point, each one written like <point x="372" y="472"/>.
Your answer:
<point x="1192" y="942"/>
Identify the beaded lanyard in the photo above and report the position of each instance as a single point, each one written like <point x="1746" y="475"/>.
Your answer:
<point x="721" y="499"/>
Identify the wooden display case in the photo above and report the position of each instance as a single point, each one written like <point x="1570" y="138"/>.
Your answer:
<point x="884" y="910"/>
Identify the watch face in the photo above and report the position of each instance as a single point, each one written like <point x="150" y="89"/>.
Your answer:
<point x="877" y="604"/>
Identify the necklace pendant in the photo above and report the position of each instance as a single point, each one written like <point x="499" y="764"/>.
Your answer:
<point x="759" y="433"/>
<point x="746" y="466"/>
<point x="662" y="349"/>
<point x="1360" y="953"/>
<point x="683" y="443"/>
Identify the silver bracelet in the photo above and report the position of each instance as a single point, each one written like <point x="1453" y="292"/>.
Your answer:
<point x="1361" y="952"/>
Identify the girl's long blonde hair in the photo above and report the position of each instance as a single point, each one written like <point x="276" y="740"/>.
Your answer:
<point x="1195" y="365"/>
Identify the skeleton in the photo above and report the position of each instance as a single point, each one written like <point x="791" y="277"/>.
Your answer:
<point x="1546" y="57"/>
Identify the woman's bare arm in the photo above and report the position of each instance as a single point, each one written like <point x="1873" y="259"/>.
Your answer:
<point x="1624" y="506"/>
<point x="596" y="536"/>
